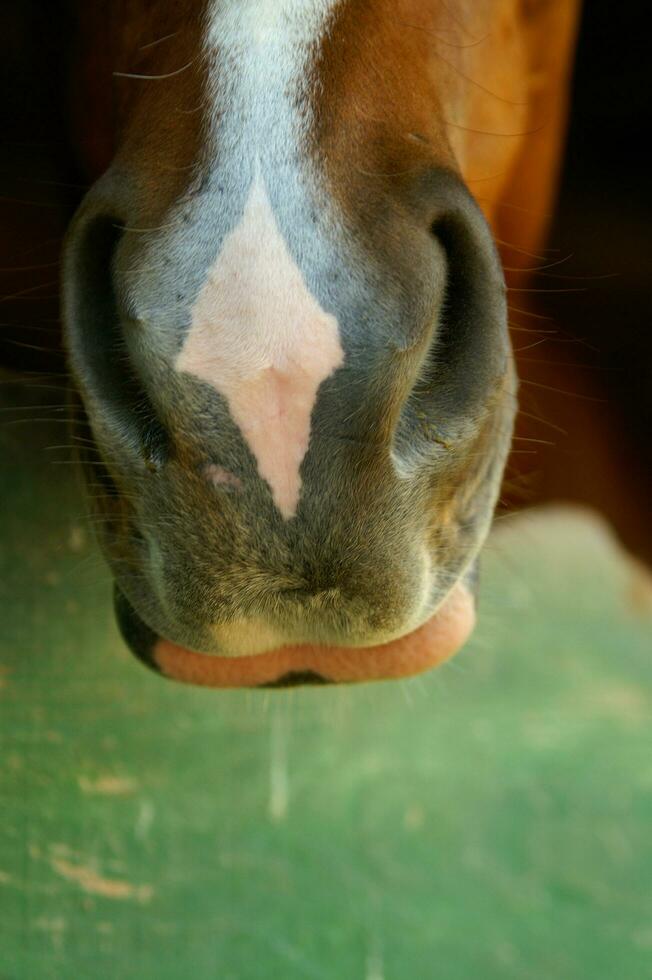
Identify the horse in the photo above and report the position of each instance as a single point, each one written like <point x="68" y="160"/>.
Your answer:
<point x="286" y="316"/>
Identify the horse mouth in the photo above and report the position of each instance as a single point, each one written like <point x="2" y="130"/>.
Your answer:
<point x="426" y="647"/>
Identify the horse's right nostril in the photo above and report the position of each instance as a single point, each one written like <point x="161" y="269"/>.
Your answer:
<point x="459" y="380"/>
<point x="470" y="346"/>
<point x="457" y="386"/>
<point x="471" y="340"/>
<point x="111" y="391"/>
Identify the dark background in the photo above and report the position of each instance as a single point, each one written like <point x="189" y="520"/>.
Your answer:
<point x="603" y="221"/>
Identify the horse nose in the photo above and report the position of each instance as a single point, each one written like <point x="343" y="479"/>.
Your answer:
<point x="372" y="494"/>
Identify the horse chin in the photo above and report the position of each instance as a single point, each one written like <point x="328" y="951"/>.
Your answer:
<point x="426" y="647"/>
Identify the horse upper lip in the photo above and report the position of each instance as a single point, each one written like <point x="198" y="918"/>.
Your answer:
<point x="425" y="647"/>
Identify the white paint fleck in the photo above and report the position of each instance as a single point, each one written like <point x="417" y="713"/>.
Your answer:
<point x="278" y="770"/>
<point x="144" y="819"/>
<point x="375" y="968"/>
<point x="55" y="927"/>
<point x="107" y="785"/>
<point x="90" y="880"/>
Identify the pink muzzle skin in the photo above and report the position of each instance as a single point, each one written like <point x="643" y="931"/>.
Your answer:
<point x="426" y="647"/>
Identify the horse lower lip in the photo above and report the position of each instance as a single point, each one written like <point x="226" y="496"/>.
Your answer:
<point x="427" y="647"/>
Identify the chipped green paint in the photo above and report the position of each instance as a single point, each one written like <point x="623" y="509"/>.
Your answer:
<point x="491" y="820"/>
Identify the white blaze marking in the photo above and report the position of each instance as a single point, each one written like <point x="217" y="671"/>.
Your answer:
<point x="262" y="50"/>
<point x="262" y="340"/>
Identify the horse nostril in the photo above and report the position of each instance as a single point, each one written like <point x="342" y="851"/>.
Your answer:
<point x="113" y="395"/>
<point x="470" y="347"/>
<point x="465" y="354"/>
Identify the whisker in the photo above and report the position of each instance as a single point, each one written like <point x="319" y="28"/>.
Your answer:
<point x="52" y="183"/>
<point x="145" y="231"/>
<point x="29" y="268"/>
<point x="153" y="78"/>
<point x="31" y="204"/>
<point x="160" y="40"/>
<point x="538" y="268"/>
<point x="31" y="421"/>
<point x="31" y="289"/>
<point x="34" y="408"/>
<point x="565" y="289"/>
<point x="486" y="132"/>
<point x="536" y="343"/>
<point x="572" y="364"/>
<point x="560" y="391"/>
<point x="51" y="331"/>
<point x="437" y="34"/>
<point x="537" y="418"/>
<point x="543" y="442"/>
<point x="535" y="316"/>
<point x="478" y="85"/>
<point x="487" y="177"/>
<point x="559" y="275"/>
<point x="522" y="251"/>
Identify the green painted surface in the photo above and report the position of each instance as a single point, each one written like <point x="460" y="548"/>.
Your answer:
<point x="490" y="820"/>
